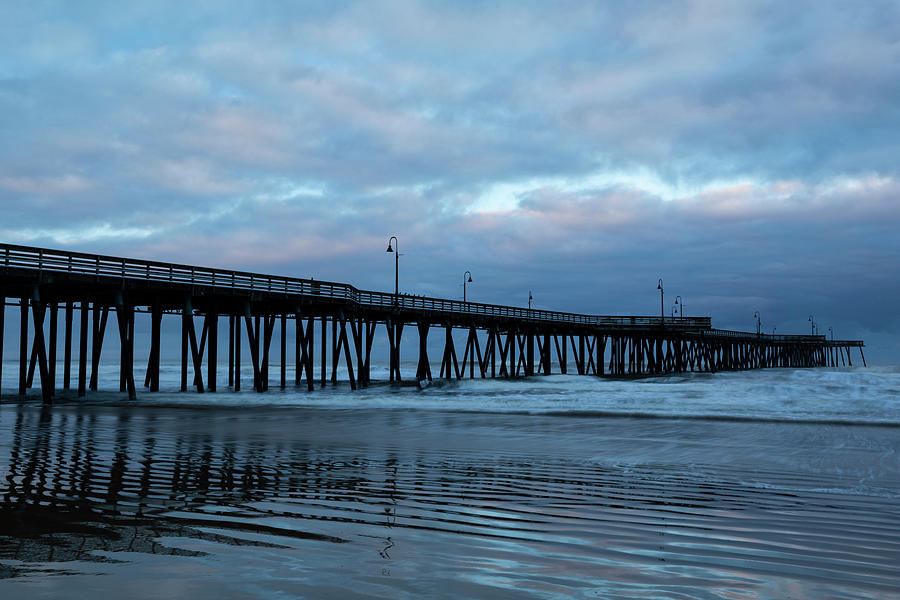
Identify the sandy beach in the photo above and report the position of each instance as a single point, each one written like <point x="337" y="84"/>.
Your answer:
<point x="227" y="502"/>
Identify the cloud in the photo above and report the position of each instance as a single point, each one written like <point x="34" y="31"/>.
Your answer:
<point x="743" y="151"/>
<point x="62" y="185"/>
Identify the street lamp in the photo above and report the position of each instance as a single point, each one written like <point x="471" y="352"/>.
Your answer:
<point x="831" y="331"/>
<point x="756" y="314"/>
<point x="530" y="298"/>
<point x="680" y="304"/>
<point x="662" y="311"/>
<point x="812" y="326"/>
<point x="465" y="280"/>
<point x="396" y="263"/>
<point x="773" y="331"/>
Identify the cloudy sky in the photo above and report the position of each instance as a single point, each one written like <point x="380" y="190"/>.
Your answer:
<point x="747" y="153"/>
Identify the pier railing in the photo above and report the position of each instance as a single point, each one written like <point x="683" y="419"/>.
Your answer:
<point x="729" y="333"/>
<point x="808" y="339"/>
<point x="43" y="259"/>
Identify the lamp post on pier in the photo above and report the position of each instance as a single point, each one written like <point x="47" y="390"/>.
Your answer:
<point x="530" y="298"/>
<point x="680" y="304"/>
<point x="396" y="264"/>
<point x="467" y="278"/>
<point x="662" y="311"/>
<point x="758" y="324"/>
<point x="812" y="326"/>
<point x="831" y="331"/>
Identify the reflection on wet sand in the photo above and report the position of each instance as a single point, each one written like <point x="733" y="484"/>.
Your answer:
<point x="88" y="485"/>
<point x="66" y="500"/>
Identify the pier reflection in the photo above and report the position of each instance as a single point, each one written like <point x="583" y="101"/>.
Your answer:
<point x="416" y="496"/>
<point x="82" y="484"/>
<point x="87" y="483"/>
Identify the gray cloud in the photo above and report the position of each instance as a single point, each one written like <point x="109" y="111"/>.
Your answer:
<point x="745" y="152"/>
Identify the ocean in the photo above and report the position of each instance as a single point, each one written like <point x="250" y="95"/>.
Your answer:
<point x="777" y="483"/>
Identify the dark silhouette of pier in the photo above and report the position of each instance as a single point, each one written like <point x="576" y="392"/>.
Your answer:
<point x="501" y="341"/>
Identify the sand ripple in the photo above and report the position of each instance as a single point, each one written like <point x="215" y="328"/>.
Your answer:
<point x="281" y="504"/>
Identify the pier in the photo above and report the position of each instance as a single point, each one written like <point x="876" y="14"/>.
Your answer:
<point x="334" y="325"/>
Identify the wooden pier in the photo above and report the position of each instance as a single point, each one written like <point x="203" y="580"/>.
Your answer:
<point x="500" y="341"/>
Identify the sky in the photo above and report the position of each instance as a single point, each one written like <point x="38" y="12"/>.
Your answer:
<point x="744" y="152"/>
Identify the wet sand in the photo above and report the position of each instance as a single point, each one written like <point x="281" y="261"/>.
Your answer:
<point x="150" y="502"/>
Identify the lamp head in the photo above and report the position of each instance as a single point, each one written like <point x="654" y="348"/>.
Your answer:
<point x="470" y="279"/>
<point x="389" y="249"/>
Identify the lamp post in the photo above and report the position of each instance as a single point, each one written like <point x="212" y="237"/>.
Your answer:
<point x="756" y="314"/>
<point x="812" y="326"/>
<point x="773" y="332"/>
<point x="831" y="331"/>
<point x="467" y="278"/>
<point x="680" y="304"/>
<point x="662" y="311"/>
<point x="530" y="298"/>
<point x="396" y="263"/>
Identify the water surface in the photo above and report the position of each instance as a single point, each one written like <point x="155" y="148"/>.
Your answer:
<point x="766" y="484"/>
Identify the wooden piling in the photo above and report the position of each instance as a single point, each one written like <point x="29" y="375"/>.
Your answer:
<point x="324" y="351"/>
<point x="23" y="345"/>
<point x="83" y="347"/>
<point x="2" y="330"/>
<point x="212" y="358"/>
<point x="237" y="353"/>
<point x="37" y="312"/>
